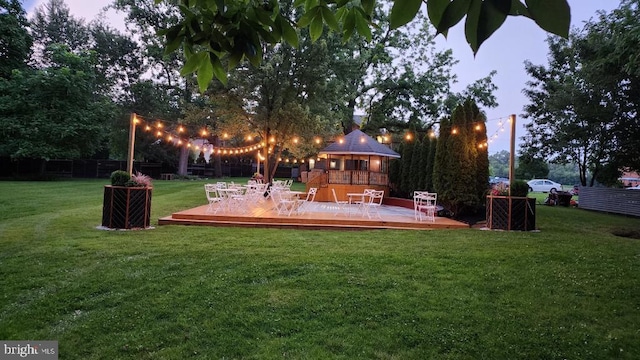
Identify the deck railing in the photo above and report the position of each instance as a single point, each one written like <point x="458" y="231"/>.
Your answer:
<point x="357" y="177"/>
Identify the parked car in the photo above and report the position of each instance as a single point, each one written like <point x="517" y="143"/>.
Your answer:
<point x="544" y="185"/>
<point x="494" y="180"/>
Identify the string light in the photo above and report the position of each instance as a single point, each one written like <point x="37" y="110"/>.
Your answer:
<point x="162" y="130"/>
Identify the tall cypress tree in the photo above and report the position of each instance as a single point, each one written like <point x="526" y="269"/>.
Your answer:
<point x="424" y="159"/>
<point x="479" y="142"/>
<point x="395" y="169"/>
<point x="441" y="164"/>
<point x="433" y="144"/>
<point x="416" y="172"/>
<point x="407" y="158"/>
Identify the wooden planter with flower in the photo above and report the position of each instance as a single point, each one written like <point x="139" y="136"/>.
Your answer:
<point x="511" y="212"/>
<point x="127" y="205"/>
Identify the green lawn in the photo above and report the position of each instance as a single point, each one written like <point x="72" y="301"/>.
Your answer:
<point x="569" y="291"/>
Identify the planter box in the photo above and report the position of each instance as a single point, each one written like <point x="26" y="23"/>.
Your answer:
<point x="126" y="207"/>
<point x="511" y="213"/>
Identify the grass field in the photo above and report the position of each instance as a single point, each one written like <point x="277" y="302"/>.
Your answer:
<point x="569" y="291"/>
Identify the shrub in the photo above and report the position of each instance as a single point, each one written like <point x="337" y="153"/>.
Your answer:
<point x="120" y="178"/>
<point x="519" y="188"/>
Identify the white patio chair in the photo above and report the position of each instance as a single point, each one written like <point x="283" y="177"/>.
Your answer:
<point x="255" y="192"/>
<point x="417" y="200"/>
<point x="240" y="199"/>
<point x="213" y="197"/>
<point x="373" y="204"/>
<point x="285" y="203"/>
<point x="305" y="203"/>
<point x="221" y="185"/>
<point x="341" y="205"/>
<point x="367" y="193"/>
<point x="424" y="203"/>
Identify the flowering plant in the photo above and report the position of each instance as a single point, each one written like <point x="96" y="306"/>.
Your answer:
<point x="500" y="189"/>
<point x="139" y="179"/>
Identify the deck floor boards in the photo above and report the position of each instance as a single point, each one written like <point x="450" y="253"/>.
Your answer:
<point x="319" y="215"/>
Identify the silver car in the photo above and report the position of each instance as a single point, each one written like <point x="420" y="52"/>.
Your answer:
<point x="544" y="185"/>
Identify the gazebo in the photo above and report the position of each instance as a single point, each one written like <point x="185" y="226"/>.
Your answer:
<point x="353" y="163"/>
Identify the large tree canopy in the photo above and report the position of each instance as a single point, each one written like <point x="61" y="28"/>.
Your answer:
<point x="584" y="105"/>
<point x="216" y="32"/>
<point x="53" y="113"/>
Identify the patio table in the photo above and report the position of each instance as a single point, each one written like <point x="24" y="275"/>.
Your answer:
<point x="233" y="198"/>
<point x="357" y="199"/>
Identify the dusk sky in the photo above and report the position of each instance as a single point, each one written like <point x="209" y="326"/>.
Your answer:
<point x="519" y="39"/>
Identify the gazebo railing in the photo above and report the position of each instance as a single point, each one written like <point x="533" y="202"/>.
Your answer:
<point x="357" y="177"/>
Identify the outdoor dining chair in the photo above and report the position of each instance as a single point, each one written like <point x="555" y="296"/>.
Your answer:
<point x="305" y="203"/>
<point x="286" y="203"/>
<point x="341" y="205"/>
<point x="213" y="198"/>
<point x="424" y="203"/>
<point x="372" y="203"/>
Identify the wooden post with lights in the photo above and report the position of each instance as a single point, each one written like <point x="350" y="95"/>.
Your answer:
<point x="132" y="139"/>
<point x="512" y="150"/>
<point x="267" y="140"/>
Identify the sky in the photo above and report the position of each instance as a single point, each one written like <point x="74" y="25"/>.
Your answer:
<point x="518" y="39"/>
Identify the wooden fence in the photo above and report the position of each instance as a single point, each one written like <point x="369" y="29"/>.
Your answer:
<point x="617" y="201"/>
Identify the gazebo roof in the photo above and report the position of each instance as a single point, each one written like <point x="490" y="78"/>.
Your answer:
<point x="359" y="143"/>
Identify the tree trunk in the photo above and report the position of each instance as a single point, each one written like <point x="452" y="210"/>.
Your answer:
<point x="184" y="161"/>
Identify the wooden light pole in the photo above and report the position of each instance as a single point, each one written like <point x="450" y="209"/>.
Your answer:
<point x="512" y="151"/>
<point x="132" y="139"/>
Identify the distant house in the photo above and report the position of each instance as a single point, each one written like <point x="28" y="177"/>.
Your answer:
<point x="630" y="179"/>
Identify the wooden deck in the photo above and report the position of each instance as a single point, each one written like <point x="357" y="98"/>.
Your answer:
<point x="320" y="215"/>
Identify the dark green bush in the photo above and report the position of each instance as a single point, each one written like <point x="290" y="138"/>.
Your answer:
<point x="120" y="178"/>
<point x="519" y="188"/>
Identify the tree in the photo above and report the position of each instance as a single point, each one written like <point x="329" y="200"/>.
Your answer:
<point x="530" y="167"/>
<point x="461" y="166"/>
<point x="53" y="24"/>
<point x="499" y="164"/>
<point x="144" y="20"/>
<point x="215" y="33"/>
<point x="433" y="144"/>
<point x="609" y="59"/>
<point x="15" y="41"/>
<point x="572" y="117"/>
<point x="408" y="158"/>
<point x="119" y="60"/>
<point x="281" y="100"/>
<point x="53" y="113"/>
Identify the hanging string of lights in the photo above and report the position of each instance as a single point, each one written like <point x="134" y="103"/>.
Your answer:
<point x="177" y="135"/>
